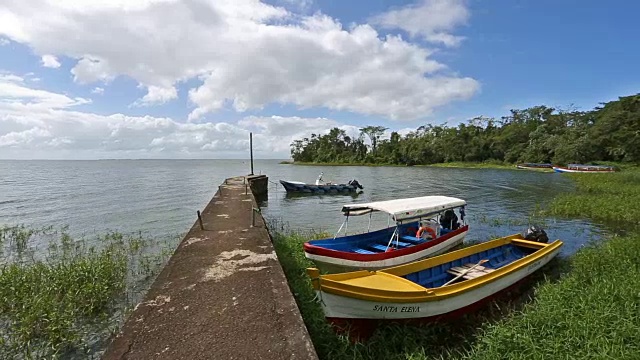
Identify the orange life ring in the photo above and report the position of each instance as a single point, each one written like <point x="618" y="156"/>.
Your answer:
<point x="427" y="229"/>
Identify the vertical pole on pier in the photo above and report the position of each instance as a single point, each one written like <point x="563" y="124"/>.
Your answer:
<point x="251" y="150"/>
<point x="200" y="220"/>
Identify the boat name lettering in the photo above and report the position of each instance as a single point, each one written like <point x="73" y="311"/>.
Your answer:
<point x="410" y="309"/>
<point x="390" y="309"/>
<point x="385" y="308"/>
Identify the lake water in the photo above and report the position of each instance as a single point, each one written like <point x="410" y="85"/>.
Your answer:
<point x="160" y="197"/>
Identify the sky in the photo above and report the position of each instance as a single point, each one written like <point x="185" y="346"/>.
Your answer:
<point x="105" y="79"/>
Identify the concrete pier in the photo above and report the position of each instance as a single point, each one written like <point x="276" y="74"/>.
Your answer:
<point x="222" y="295"/>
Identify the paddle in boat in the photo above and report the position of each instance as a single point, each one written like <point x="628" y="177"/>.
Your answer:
<point x="579" y="168"/>
<point x="320" y="187"/>
<point x="424" y="226"/>
<point x="437" y="288"/>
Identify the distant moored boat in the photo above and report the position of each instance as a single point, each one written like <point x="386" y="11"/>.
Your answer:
<point x="580" y="168"/>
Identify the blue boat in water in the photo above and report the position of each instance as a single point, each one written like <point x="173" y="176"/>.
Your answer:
<point x="321" y="187"/>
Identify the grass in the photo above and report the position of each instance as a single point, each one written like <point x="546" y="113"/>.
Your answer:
<point x="585" y="307"/>
<point x="592" y="313"/>
<point x="609" y="198"/>
<point x="475" y="165"/>
<point x="468" y="165"/>
<point x="70" y="297"/>
<point x="341" y="164"/>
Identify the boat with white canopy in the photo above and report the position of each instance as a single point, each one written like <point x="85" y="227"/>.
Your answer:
<point x="423" y="227"/>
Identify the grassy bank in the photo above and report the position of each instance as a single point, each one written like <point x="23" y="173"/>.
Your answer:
<point x="468" y="165"/>
<point x="64" y="297"/>
<point x="589" y="311"/>
<point x="593" y="312"/>
<point x="476" y="165"/>
<point x="338" y="164"/>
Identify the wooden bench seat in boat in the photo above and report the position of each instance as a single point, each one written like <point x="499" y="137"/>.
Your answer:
<point x="477" y="271"/>
<point x="393" y="245"/>
<point x="363" y="251"/>
<point x="411" y="239"/>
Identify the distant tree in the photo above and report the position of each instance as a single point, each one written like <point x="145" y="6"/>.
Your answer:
<point x="610" y="132"/>
<point x="374" y="133"/>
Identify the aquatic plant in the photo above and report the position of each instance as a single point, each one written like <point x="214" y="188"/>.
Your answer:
<point x="609" y="198"/>
<point x="67" y="300"/>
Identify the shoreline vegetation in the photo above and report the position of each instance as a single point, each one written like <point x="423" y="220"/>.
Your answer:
<point x="64" y="297"/>
<point x="583" y="306"/>
<point x="535" y="135"/>
<point x="456" y="164"/>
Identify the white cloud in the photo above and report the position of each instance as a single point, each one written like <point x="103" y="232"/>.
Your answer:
<point x="246" y="53"/>
<point x="4" y="41"/>
<point x="50" y="61"/>
<point x="37" y="123"/>
<point x="431" y="19"/>
<point x="97" y="90"/>
<point x="300" y="5"/>
<point x="157" y="95"/>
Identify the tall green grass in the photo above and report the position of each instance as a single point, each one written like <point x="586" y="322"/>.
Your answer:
<point x="592" y="313"/>
<point x="63" y="297"/>
<point x="609" y="198"/>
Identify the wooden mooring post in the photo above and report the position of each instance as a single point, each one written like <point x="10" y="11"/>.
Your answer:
<point x="200" y="220"/>
<point x="251" y="150"/>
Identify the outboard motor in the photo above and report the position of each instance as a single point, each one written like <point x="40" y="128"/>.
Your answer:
<point x="355" y="183"/>
<point x="535" y="233"/>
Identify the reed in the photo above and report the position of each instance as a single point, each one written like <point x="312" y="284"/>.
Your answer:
<point x="475" y="165"/>
<point x="61" y="296"/>
<point x="608" y="198"/>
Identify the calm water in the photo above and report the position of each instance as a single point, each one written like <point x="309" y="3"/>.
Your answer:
<point x="160" y="197"/>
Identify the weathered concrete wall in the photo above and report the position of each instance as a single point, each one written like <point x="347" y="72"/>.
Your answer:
<point x="259" y="184"/>
<point x="222" y="295"/>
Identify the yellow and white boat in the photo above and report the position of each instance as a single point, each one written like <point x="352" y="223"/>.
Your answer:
<point x="443" y="286"/>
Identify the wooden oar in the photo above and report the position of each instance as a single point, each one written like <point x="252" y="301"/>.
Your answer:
<point x="465" y="272"/>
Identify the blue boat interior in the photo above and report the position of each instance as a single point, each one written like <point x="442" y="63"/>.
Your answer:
<point x="497" y="257"/>
<point x="375" y="241"/>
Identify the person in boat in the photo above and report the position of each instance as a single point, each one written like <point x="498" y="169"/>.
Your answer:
<point x="449" y="220"/>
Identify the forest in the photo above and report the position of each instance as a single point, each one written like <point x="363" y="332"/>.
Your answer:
<point x="608" y="133"/>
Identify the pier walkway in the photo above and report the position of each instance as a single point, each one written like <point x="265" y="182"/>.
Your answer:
<point x="222" y="295"/>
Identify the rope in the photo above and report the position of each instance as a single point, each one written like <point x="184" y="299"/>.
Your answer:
<point x="318" y="295"/>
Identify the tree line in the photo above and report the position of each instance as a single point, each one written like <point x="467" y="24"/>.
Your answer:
<point x="609" y="132"/>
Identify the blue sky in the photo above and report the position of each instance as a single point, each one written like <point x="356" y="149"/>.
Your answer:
<point x="497" y="55"/>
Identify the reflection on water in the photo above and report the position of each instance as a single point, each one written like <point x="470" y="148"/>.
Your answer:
<point x="160" y="197"/>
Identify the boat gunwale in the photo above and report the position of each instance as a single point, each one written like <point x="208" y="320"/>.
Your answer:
<point x="346" y="255"/>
